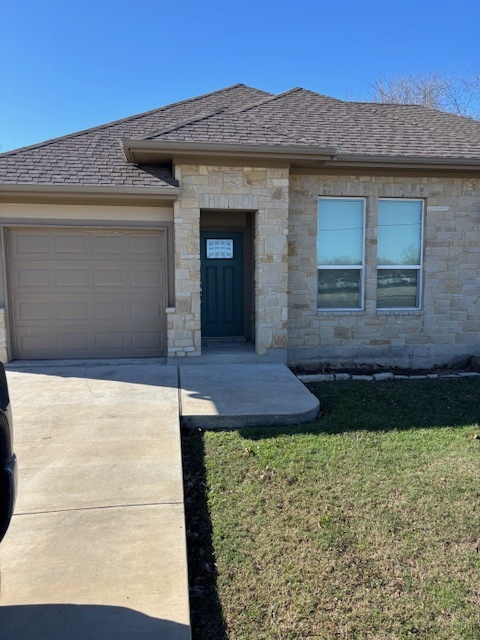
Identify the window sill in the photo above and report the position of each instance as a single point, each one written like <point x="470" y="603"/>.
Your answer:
<point x="340" y="312"/>
<point x="399" y="312"/>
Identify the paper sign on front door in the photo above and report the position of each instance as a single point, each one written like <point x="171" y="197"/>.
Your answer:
<point x="220" y="249"/>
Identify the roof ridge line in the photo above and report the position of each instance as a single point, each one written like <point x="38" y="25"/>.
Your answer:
<point x="276" y="96"/>
<point x="75" y="134"/>
<point x="409" y="105"/>
<point x="286" y="93"/>
<point x="400" y="117"/>
<point x="184" y="123"/>
<point x="227" y="113"/>
<point x="396" y="104"/>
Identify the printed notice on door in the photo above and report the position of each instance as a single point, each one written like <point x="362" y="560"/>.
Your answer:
<point x="220" y="249"/>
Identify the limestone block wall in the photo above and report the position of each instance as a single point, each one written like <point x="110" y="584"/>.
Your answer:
<point x="448" y="323"/>
<point x="265" y="191"/>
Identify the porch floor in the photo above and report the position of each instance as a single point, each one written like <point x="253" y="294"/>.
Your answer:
<point x="229" y="352"/>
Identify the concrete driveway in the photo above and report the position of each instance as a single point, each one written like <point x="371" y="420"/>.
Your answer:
<point x="96" y="548"/>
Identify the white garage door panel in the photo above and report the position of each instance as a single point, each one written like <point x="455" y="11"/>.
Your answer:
<point x="88" y="293"/>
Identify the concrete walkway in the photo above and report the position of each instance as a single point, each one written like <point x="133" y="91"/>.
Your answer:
<point x="243" y="395"/>
<point x="96" y="548"/>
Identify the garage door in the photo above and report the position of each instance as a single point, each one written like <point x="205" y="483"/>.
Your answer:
<point x="87" y="293"/>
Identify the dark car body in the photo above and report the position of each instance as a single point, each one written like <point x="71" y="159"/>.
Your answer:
<point x="8" y="460"/>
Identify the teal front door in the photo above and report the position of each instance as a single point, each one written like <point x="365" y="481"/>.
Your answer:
<point x="221" y="257"/>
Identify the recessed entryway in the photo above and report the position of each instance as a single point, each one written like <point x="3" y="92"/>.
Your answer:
<point x="226" y="276"/>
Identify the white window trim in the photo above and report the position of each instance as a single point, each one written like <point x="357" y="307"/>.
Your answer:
<point x="418" y="267"/>
<point x="358" y="267"/>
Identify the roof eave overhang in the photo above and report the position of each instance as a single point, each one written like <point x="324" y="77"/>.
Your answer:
<point x="86" y="194"/>
<point x="407" y="162"/>
<point x="154" y="151"/>
<point x="162" y="152"/>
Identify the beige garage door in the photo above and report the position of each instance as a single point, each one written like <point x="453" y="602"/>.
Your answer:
<point x="87" y="293"/>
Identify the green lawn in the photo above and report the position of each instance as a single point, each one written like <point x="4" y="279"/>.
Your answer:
<point x="363" y="525"/>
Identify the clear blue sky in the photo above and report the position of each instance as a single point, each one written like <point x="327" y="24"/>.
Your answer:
<point x="67" y="66"/>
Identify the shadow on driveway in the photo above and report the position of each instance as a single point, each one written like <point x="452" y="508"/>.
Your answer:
<point x="147" y="372"/>
<point x="79" y="622"/>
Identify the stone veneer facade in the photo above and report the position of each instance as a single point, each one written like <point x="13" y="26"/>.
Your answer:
<point x="448" y="322"/>
<point x="287" y="322"/>
<point x="3" y="336"/>
<point x="282" y="206"/>
<point x="264" y="191"/>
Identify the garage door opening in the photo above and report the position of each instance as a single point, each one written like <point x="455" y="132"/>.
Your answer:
<point x="87" y="293"/>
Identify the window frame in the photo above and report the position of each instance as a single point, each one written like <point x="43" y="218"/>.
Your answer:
<point x="418" y="268"/>
<point x="358" y="267"/>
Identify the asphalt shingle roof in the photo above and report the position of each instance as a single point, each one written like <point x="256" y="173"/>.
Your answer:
<point x="244" y="115"/>
<point x="304" y="118"/>
<point x="94" y="157"/>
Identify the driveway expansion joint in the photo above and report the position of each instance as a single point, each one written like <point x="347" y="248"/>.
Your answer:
<point x="96" y="507"/>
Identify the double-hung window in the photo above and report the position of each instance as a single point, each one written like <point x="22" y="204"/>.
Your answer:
<point x="340" y="253"/>
<point x="399" y="253"/>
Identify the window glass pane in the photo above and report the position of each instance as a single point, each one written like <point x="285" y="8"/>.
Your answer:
<point x="340" y="232"/>
<point x="339" y="288"/>
<point x="399" y="232"/>
<point x="397" y="288"/>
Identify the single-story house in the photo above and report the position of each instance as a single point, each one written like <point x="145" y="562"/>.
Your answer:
<point x="323" y="231"/>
